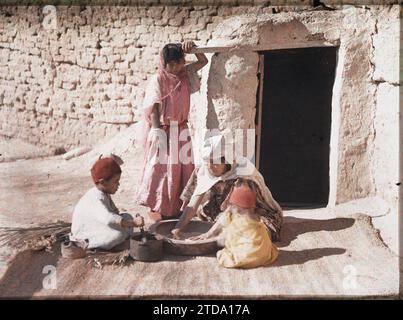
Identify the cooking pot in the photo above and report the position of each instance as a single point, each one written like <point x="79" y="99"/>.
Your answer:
<point x="146" y="246"/>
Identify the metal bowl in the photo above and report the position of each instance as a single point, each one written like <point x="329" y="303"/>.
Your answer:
<point x="185" y="247"/>
<point x="146" y="247"/>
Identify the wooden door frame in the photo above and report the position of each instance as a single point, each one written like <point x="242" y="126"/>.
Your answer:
<point x="259" y="105"/>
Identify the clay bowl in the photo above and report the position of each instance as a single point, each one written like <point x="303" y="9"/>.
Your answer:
<point x="146" y="247"/>
<point x="181" y="246"/>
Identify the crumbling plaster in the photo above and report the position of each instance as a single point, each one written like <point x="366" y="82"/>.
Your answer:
<point x="364" y="132"/>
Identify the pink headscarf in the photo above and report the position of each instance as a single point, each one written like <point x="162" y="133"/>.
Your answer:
<point x="174" y="97"/>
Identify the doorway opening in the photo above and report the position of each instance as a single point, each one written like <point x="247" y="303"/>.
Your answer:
<point x="294" y="122"/>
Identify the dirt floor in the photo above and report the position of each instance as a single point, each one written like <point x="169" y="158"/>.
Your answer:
<point x="321" y="253"/>
<point x="15" y="149"/>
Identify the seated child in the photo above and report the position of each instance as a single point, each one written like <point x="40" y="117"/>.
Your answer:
<point x="247" y="241"/>
<point x="95" y="217"/>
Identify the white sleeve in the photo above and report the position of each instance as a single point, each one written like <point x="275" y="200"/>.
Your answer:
<point x="113" y="207"/>
<point x="105" y="215"/>
<point x="222" y="219"/>
<point x="153" y="93"/>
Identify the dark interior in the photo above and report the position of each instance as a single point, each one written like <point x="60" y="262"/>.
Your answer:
<point x="295" y="124"/>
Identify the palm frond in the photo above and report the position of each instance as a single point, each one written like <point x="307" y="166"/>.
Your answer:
<point x="45" y="236"/>
<point x="39" y="237"/>
<point x="101" y="259"/>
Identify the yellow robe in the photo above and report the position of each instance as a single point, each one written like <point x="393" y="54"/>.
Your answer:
<point x="247" y="243"/>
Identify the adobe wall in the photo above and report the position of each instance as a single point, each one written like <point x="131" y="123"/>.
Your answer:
<point x="365" y="106"/>
<point x="78" y="75"/>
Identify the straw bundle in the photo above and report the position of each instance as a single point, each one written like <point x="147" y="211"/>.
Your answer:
<point x="43" y="236"/>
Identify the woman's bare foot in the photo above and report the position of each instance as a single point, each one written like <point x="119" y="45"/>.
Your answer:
<point x="155" y="216"/>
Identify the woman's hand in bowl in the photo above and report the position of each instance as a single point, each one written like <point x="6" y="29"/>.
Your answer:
<point x="176" y="233"/>
<point x="203" y="236"/>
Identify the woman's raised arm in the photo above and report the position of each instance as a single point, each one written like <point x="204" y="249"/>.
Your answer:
<point x="155" y="116"/>
<point x="201" y="58"/>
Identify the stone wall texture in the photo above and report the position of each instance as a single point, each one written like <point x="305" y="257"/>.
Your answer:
<point x="77" y="75"/>
<point x="365" y="105"/>
<point x="82" y="79"/>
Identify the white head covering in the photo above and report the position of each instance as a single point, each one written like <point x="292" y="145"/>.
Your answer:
<point x="214" y="148"/>
<point x="241" y="167"/>
<point x="218" y="146"/>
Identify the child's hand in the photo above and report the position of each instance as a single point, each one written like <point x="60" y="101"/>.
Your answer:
<point x="203" y="236"/>
<point x="138" y="221"/>
<point x="176" y="233"/>
<point x="127" y="223"/>
<point x="187" y="46"/>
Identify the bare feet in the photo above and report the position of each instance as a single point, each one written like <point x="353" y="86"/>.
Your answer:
<point x="155" y="216"/>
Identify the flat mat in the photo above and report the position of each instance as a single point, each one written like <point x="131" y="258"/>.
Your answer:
<point x="335" y="257"/>
<point x="341" y="256"/>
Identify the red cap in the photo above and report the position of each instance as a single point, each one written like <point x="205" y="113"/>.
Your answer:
<point x="105" y="169"/>
<point x="243" y="197"/>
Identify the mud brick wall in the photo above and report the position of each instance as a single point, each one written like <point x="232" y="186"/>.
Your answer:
<point x="77" y="75"/>
<point x="364" y="143"/>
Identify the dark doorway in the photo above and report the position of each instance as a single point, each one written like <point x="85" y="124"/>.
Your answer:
<point x="295" y="124"/>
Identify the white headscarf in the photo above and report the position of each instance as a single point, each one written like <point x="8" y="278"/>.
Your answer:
<point x="223" y="146"/>
<point x="214" y="148"/>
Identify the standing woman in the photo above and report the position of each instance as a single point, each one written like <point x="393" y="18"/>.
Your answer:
<point x="166" y="109"/>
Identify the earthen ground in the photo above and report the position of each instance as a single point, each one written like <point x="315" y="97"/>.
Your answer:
<point x="319" y="252"/>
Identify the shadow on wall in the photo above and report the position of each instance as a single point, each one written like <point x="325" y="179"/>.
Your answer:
<point x="289" y="34"/>
<point x="212" y="118"/>
<point x="266" y="36"/>
<point x="232" y="77"/>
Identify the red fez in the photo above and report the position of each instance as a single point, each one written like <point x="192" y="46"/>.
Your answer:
<point x="105" y="169"/>
<point x="243" y="197"/>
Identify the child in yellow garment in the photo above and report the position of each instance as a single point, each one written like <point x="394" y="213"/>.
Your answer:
<point x="247" y="241"/>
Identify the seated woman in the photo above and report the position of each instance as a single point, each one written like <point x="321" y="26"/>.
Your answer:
<point x="210" y="186"/>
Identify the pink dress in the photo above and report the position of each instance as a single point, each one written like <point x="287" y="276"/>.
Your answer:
<point x="162" y="182"/>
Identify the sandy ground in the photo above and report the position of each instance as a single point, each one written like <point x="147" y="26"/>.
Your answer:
<point x="327" y="258"/>
<point x="322" y="253"/>
<point x="14" y="149"/>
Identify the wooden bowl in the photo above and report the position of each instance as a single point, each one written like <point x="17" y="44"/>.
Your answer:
<point x="185" y="247"/>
